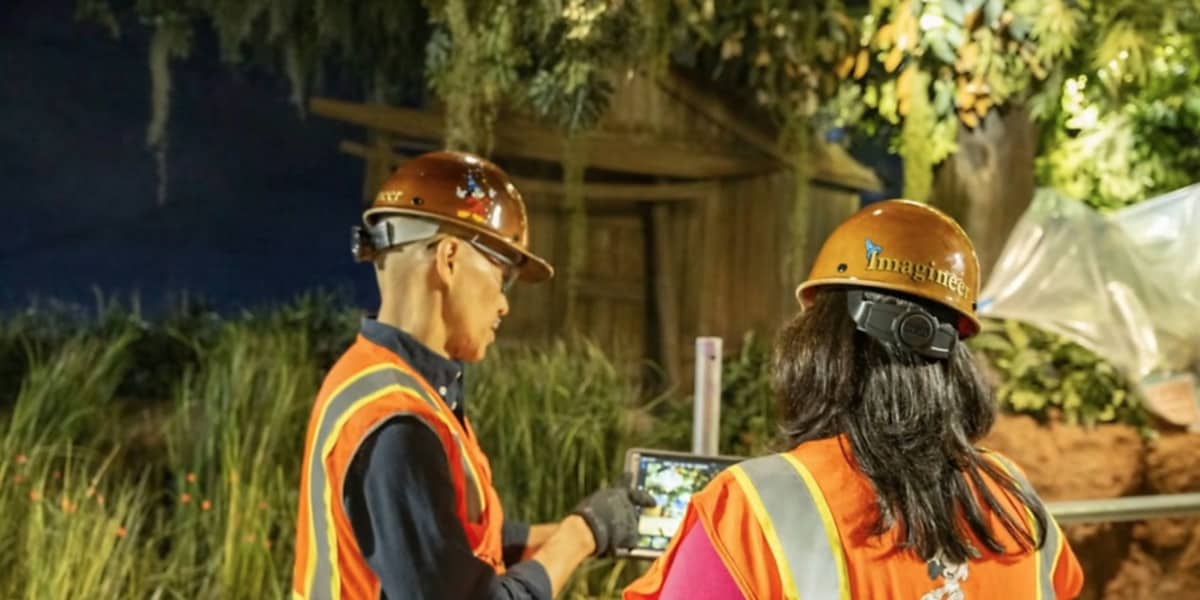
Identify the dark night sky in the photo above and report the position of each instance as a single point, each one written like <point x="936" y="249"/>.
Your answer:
<point x="260" y="200"/>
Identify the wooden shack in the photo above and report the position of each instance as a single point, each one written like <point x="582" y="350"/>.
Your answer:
<point x="689" y="206"/>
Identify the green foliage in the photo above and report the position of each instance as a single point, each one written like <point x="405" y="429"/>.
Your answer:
<point x="578" y="54"/>
<point x="928" y="66"/>
<point x="1111" y="79"/>
<point x="1114" y="146"/>
<point x="72" y="529"/>
<point x="764" y="49"/>
<point x="555" y="58"/>
<point x="475" y="67"/>
<point x="1048" y="377"/>
<point x="749" y="425"/>
<point x="188" y="490"/>
<point x="565" y="409"/>
<point x="234" y="450"/>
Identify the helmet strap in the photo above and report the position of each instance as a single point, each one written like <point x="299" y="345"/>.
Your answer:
<point x="911" y="327"/>
<point x="369" y="240"/>
<point x="394" y="231"/>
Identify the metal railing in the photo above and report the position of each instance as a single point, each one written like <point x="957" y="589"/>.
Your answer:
<point x="1129" y="508"/>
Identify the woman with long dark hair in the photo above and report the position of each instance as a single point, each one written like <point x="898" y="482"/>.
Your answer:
<point x="884" y="492"/>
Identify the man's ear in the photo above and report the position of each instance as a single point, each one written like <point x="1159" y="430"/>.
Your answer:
<point x="447" y="259"/>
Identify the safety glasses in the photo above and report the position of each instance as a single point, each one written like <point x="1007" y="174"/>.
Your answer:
<point x="508" y="271"/>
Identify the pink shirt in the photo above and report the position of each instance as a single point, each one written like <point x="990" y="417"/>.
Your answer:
<point x="697" y="571"/>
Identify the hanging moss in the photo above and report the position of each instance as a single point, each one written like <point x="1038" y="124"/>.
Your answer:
<point x="797" y="142"/>
<point x="171" y="38"/>
<point x="915" y="134"/>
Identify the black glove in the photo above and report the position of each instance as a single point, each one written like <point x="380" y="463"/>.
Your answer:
<point x="612" y="515"/>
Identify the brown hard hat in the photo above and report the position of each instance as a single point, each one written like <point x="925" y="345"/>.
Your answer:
<point x="467" y="195"/>
<point x="902" y="246"/>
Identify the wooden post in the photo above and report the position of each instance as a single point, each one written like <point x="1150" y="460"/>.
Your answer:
<point x="705" y="258"/>
<point x="666" y="297"/>
<point x="989" y="182"/>
<point x="379" y="165"/>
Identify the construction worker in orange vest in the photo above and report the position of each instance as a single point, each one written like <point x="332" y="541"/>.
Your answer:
<point x="396" y="496"/>
<point x="884" y="493"/>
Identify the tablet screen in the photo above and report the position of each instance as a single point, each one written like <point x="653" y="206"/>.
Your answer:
<point x="671" y="479"/>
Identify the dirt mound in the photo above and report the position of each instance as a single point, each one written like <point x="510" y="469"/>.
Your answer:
<point x="1121" y="560"/>
<point x="1066" y="462"/>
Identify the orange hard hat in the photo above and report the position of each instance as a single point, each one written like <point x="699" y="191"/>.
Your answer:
<point x="464" y="195"/>
<point x="902" y="246"/>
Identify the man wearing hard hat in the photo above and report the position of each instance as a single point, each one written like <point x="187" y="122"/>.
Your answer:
<point x="396" y="495"/>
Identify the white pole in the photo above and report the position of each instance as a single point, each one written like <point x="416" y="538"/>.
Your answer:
<point x="706" y="410"/>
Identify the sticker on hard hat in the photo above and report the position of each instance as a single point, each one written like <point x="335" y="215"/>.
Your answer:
<point x="390" y="197"/>
<point x="478" y="200"/>
<point x="917" y="271"/>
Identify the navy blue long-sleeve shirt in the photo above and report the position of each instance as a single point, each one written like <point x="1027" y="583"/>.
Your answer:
<point x="401" y="502"/>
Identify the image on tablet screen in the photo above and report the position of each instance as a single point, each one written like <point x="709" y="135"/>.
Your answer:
<point x="672" y="482"/>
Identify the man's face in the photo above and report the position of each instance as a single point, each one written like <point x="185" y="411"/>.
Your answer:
<point x="475" y="300"/>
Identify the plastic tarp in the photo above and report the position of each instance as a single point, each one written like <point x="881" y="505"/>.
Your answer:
<point x="1125" y="285"/>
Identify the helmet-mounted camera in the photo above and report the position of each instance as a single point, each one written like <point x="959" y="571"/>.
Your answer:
<point x="910" y="326"/>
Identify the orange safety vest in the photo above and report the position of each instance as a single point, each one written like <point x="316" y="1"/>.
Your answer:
<point x="791" y="526"/>
<point x="368" y="386"/>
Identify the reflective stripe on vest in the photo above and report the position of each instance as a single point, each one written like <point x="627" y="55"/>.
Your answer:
<point x="798" y="526"/>
<point x="1049" y="552"/>
<point x="323" y="579"/>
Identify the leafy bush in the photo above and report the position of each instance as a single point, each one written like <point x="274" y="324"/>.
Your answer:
<point x="1048" y="377"/>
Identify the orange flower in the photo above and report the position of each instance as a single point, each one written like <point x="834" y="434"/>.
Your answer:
<point x="68" y="506"/>
<point x="207" y="504"/>
<point x="122" y="532"/>
<point x="22" y="459"/>
<point x="19" y="478"/>
<point x="191" y="478"/>
<point x="185" y="498"/>
<point x="35" y="495"/>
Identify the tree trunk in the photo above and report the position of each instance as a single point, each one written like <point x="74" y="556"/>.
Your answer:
<point x="989" y="182"/>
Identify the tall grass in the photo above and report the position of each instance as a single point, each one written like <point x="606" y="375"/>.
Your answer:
<point x="81" y="538"/>
<point x="235" y="445"/>
<point x="555" y="423"/>
<point x="161" y="459"/>
<point x="69" y="396"/>
<point x="70" y="528"/>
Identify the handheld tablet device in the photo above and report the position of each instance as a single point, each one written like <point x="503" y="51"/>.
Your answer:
<point x="672" y="478"/>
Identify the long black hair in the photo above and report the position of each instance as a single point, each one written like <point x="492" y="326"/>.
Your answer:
<point x="912" y="424"/>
